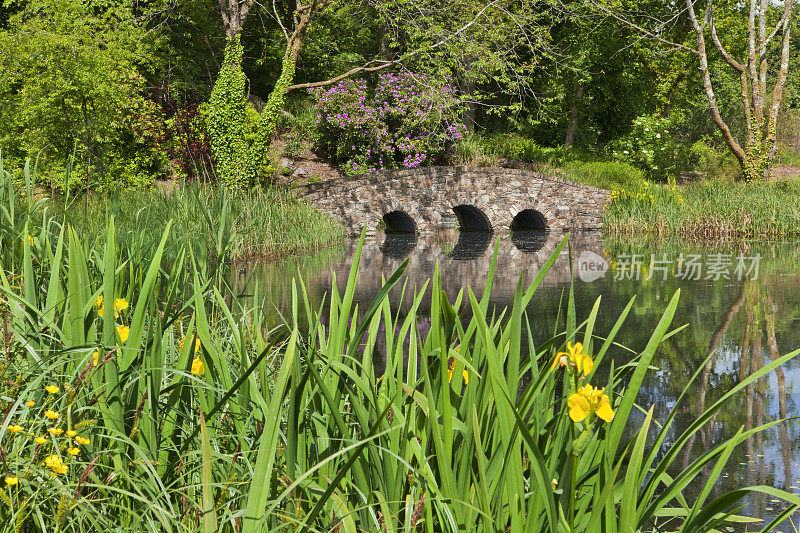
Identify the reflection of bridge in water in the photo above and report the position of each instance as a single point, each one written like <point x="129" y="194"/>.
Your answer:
<point x="464" y="259"/>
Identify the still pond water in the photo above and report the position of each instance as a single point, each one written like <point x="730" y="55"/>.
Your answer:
<point x="741" y="303"/>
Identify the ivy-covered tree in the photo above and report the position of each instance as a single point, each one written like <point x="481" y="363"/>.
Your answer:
<point x="480" y="42"/>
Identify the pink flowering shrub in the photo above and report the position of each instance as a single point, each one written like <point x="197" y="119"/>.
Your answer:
<point x="408" y="120"/>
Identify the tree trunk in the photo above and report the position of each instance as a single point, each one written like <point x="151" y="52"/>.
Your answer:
<point x="468" y="116"/>
<point x="268" y="122"/>
<point x="756" y="158"/>
<point x="573" y="116"/>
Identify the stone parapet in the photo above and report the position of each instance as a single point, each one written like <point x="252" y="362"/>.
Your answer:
<point x="425" y="194"/>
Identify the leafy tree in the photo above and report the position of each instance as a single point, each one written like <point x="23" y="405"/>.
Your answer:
<point x="743" y="52"/>
<point x="477" y="39"/>
<point x="72" y="80"/>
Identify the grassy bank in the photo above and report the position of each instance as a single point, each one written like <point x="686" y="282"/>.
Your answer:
<point x="139" y="395"/>
<point x="216" y="223"/>
<point x="270" y="224"/>
<point x="713" y="207"/>
<point x="707" y="210"/>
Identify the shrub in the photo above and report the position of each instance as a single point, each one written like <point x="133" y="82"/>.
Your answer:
<point x="652" y="146"/>
<point x="185" y="139"/>
<point x="407" y="121"/>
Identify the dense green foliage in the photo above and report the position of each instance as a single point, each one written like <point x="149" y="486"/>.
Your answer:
<point x="141" y="394"/>
<point x="72" y="81"/>
<point x="226" y="115"/>
<point x="116" y="88"/>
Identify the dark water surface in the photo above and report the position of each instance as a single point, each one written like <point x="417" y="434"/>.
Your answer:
<point x="741" y="303"/>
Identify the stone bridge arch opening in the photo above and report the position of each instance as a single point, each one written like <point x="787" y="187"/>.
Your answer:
<point x="399" y="222"/>
<point x="529" y="219"/>
<point x="470" y="218"/>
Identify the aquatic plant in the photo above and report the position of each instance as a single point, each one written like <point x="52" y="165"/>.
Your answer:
<point x="298" y="428"/>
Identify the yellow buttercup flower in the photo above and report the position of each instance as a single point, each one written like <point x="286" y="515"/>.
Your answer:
<point x="123" y="332"/>
<point x="198" y="367"/>
<point x="575" y="356"/>
<point x="31" y="403"/>
<point x="589" y="400"/>
<point x="74" y="451"/>
<point x="52" y="389"/>
<point x="15" y="428"/>
<point x="41" y="440"/>
<point x="82" y="440"/>
<point x="54" y="463"/>
<point x="12" y="480"/>
<point x="71" y="433"/>
<point x="52" y="415"/>
<point x="55" y="431"/>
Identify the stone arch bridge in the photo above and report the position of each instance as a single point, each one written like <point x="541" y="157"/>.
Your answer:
<point x="480" y="199"/>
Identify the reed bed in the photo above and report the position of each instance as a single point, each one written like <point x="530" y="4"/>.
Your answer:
<point x="138" y="394"/>
<point x="241" y="225"/>
<point x="706" y="211"/>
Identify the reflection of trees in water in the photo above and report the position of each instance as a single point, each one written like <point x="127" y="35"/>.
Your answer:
<point x="759" y="321"/>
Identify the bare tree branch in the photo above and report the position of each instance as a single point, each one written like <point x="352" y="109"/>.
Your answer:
<point x="712" y="99"/>
<point x="673" y="44"/>
<point x="383" y="64"/>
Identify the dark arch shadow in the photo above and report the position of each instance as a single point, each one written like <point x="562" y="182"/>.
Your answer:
<point x="470" y="245"/>
<point x="529" y="240"/>
<point x="470" y="218"/>
<point x="399" y="222"/>
<point x="528" y="219"/>
<point x="399" y="245"/>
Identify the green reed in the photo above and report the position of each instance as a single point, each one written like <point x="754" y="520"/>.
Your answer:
<point x="711" y="209"/>
<point x="200" y="418"/>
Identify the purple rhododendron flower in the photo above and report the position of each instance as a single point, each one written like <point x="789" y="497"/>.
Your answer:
<point x="408" y="120"/>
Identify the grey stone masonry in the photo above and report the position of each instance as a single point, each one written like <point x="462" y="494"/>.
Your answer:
<point x="428" y="195"/>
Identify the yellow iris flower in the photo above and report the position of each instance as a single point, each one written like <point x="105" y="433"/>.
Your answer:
<point x="196" y="345"/>
<point x="123" y="332"/>
<point x="589" y="400"/>
<point x="120" y="304"/>
<point x="198" y="367"/>
<point x="575" y="356"/>
<point x="452" y="369"/>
